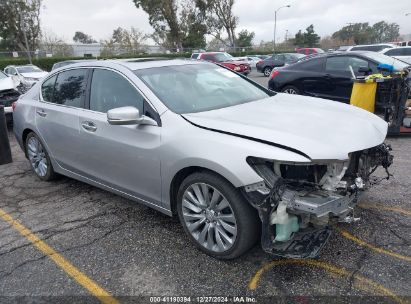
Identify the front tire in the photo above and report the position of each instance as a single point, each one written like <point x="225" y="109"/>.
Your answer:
<point x="39" y="158"/>
<point x="216" y="217"/>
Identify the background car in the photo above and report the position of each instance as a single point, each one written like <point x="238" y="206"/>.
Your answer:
<point x="309" y="51"/>
<point x="28" y="75"/>
<point x="224" y="59"/>
<point x="8" y="94"/>
<point x="251" y="60"/>
<point x="402" y="53"/>
<point x="267" y="65"/>
<point x="328" y="75"/>
<point x="371" y="47"/>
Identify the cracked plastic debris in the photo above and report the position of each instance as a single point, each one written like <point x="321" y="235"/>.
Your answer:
<point x="303" y="200"/>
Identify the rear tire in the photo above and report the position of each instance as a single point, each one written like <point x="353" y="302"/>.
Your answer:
<point x="291" y="90"/>
<point x="39" y="158"/>
<point x="267" y="71"/>
<point x="216" y="217"/>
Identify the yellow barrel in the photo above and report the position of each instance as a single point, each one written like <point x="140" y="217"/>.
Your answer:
<point x="363" y="95"/>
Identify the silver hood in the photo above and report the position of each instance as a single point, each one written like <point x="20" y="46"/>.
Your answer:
<point x="319" y="128"/>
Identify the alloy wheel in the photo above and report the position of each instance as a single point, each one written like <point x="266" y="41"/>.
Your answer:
<point x="209" y="217"/>
<point x="267" y="72"/>
<point x="290" y="91"/>
<point x="37" y="156"/>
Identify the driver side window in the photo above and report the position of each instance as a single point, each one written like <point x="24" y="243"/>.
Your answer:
<point x="110" y="90"/>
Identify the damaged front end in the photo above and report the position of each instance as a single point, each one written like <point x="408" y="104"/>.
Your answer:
<point x="298" y="203"/>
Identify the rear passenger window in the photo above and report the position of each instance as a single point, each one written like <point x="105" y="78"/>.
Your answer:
<point x="70" y="88"/>
<point x="395" y="52"/>
<point x="337" y="64"/>
<point x="47" y="89"/>
<point x="110" y="90"/>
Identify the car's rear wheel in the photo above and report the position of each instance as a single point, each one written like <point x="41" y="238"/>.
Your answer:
<point x="39" y="158"/>
<point x="216" y="217"/>
<point x="291" y="90"/>
<point x="267" y="71"/>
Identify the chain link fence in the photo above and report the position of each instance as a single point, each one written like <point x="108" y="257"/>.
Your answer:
<point x="102" y="51"/>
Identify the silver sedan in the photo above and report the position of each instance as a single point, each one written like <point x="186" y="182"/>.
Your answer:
<point x="235" y="161"/>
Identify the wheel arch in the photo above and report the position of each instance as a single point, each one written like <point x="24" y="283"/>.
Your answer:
<point x="179" y="178"/>
<point x="24" y="135"/>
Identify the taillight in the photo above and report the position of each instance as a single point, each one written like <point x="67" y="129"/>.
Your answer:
<point x="13" y="105"/>
<point x="273" y="74"/>
<point x="260" y="62"/>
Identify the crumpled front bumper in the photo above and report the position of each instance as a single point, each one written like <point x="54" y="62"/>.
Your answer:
<point x="315" y="207"/>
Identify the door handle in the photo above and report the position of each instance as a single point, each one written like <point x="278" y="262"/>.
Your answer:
<point x="41" y="113"/>
<point x="89" y="126"/>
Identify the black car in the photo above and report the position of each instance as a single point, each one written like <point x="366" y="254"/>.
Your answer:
<point x="328" y="75"/>
<point x="277" y="60"/>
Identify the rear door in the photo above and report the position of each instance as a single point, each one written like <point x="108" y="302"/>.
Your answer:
<point x="122" y="157"/>
<point x="338" y="73"/>
<point x="62" y="97"/>
<point x="311" y="77"/>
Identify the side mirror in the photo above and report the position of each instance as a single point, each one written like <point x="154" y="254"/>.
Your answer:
<point x="128" y="116"/>
<point x="364" y="70"/>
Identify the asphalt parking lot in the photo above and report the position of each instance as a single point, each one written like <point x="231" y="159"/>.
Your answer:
<point x="68" y="239"/>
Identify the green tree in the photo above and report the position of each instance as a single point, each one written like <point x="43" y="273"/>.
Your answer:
<point x="385" y="32"/>
<point x="245" y="38"/>
<point x="220" y="17"/>
<point x="162" y="15"/>
<point x="193" y="25"/>
<point x="299" y="39"/>
<point x="17" y="17"/>
<point x="81" y="37"/>
<point x="311" y="39"/>
<point x="307" y="39"/>
<point x="363" y="33"/>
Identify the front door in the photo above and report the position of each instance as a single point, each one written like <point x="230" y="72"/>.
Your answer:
<point x="122" y="157"/>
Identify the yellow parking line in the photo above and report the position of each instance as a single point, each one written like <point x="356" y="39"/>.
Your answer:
<point x="360" y="242"/>
<point x="361" y="282"/>
<point x="386" y="208"/>
<point x="64" y="264"/>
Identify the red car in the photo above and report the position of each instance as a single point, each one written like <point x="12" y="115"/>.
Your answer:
<point x="224" y="59"/>
<point x="309" y="51"/>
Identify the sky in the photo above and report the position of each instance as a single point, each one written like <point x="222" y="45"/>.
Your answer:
<point x="98" y="18"/>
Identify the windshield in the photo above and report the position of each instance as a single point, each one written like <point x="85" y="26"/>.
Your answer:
<point x="220" y="57"/>
<point x="29" y="69"/>
<point x="200" y="87"/>
<point x="381" y="58"/>
<point x="2" y="75"/>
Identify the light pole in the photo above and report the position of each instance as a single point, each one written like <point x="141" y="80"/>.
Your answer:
<point x="275" y="23"/>
<point x="23" y="26"/>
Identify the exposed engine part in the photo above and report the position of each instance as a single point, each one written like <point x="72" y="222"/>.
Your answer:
<point x="298" y="202"/>
<point x="320" y="203"/>
<point x="332" y="178"/>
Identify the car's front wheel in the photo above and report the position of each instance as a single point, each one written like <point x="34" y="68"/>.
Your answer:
<point x="39" y="158"/>
<point x="216" y="217"/>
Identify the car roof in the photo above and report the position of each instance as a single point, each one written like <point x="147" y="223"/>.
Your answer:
<point x="20" y="66"/>
<point x="136" y="64"/>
